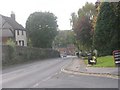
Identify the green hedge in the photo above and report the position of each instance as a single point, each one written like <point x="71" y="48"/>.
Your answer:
<point x="17" y="54"/>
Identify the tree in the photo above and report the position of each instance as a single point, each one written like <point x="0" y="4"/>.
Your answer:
<point x="82" y="25"/>
<point x="87" y="10"/>
<point x="115" y="43"/>
<point x="41" y="28"/>
<point x="73" y="21"/>
<point x="64" y="38"/>
<point x="106" y="29"/>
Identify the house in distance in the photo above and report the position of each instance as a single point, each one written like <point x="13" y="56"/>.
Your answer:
<point x="11" y="29"/>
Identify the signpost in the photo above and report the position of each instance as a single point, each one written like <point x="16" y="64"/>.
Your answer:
<point x="116" y="54"/>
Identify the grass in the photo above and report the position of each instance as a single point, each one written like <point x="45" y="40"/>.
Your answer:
<point x="105" y="61"/>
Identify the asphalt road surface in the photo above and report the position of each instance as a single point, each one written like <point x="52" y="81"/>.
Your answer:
<point x="47" y="74"/>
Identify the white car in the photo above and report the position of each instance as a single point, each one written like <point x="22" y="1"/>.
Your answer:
<point x="63" y="55"/>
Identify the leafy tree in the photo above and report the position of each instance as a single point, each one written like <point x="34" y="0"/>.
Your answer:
<point x="82" y="25"/>
<point x="94" y="20"/>
<point x="84" y="33"/>
<point x="41" y="28"/>
<point x="64" y="38"/>
<point x="87" y="10"/>
<point x="10" y="42"/>
<point x="106" y="29"/>
<point x="73" y="21"/>
<point x="115" y="41"/>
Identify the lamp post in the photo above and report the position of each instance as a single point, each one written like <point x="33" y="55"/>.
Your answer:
<point x="0" y="31"/>
<point x="0" y="51"/>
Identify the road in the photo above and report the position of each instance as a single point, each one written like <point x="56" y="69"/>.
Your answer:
<point x="47" y="74"/>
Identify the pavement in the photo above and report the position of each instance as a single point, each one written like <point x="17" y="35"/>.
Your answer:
<point x="47" y="74"/>
<point x="77" y="66"/>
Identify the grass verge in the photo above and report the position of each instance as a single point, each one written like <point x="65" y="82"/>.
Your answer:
<point x="105" y="61"/>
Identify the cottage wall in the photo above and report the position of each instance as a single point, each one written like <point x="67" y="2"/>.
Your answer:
<point x="20" y="36"/>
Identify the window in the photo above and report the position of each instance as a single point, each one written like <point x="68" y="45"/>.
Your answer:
<point x="22" y="32"/>
<point x="17" y="32"/>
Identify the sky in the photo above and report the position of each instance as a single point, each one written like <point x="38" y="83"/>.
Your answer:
<point x="60" y="8"/>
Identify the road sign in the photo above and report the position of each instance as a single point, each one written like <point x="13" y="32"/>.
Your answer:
<point x="116" y="55"/>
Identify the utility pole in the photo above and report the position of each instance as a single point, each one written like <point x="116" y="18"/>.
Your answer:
<point x="0" y="51"/>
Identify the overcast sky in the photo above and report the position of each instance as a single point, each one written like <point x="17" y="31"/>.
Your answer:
<point x="61" y="8"/>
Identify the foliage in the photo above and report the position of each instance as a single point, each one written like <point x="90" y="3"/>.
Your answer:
<point x="106" y="29"/>
<point x="42" y="28"/>
<point x="82" y="26"/>
<point x="83" y="34"/>
<point x="73" y="21"/>
<point x="29" y="42"/>
<point x="87" y="10"/>
<point x="115" y="42"/>
<point x="64" y="38"/>
<point x="26" y="54"/>
<point x="11" y="50"/>
<point x="10" y="42"/>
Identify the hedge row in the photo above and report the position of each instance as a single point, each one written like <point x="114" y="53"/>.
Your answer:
<point x="17" y="54"/>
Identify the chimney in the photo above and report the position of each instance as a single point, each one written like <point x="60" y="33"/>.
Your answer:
<point x="13" y="15"/>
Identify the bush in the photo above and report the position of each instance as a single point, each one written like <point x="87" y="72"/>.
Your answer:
<point x="15" y="55"/>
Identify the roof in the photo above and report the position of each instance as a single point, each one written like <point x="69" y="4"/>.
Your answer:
<point x="7" y="33"/>
<point x="13" y="23"/>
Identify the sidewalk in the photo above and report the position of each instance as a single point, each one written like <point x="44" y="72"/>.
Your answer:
<point x="78" y="65"/>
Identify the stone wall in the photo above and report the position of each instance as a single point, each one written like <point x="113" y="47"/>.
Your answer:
<point x="17" y="54"/>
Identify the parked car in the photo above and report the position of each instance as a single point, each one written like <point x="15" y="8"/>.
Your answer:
<point x="63" y="55"/>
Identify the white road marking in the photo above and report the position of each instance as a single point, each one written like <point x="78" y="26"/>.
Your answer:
<point x="46" y="79"/>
